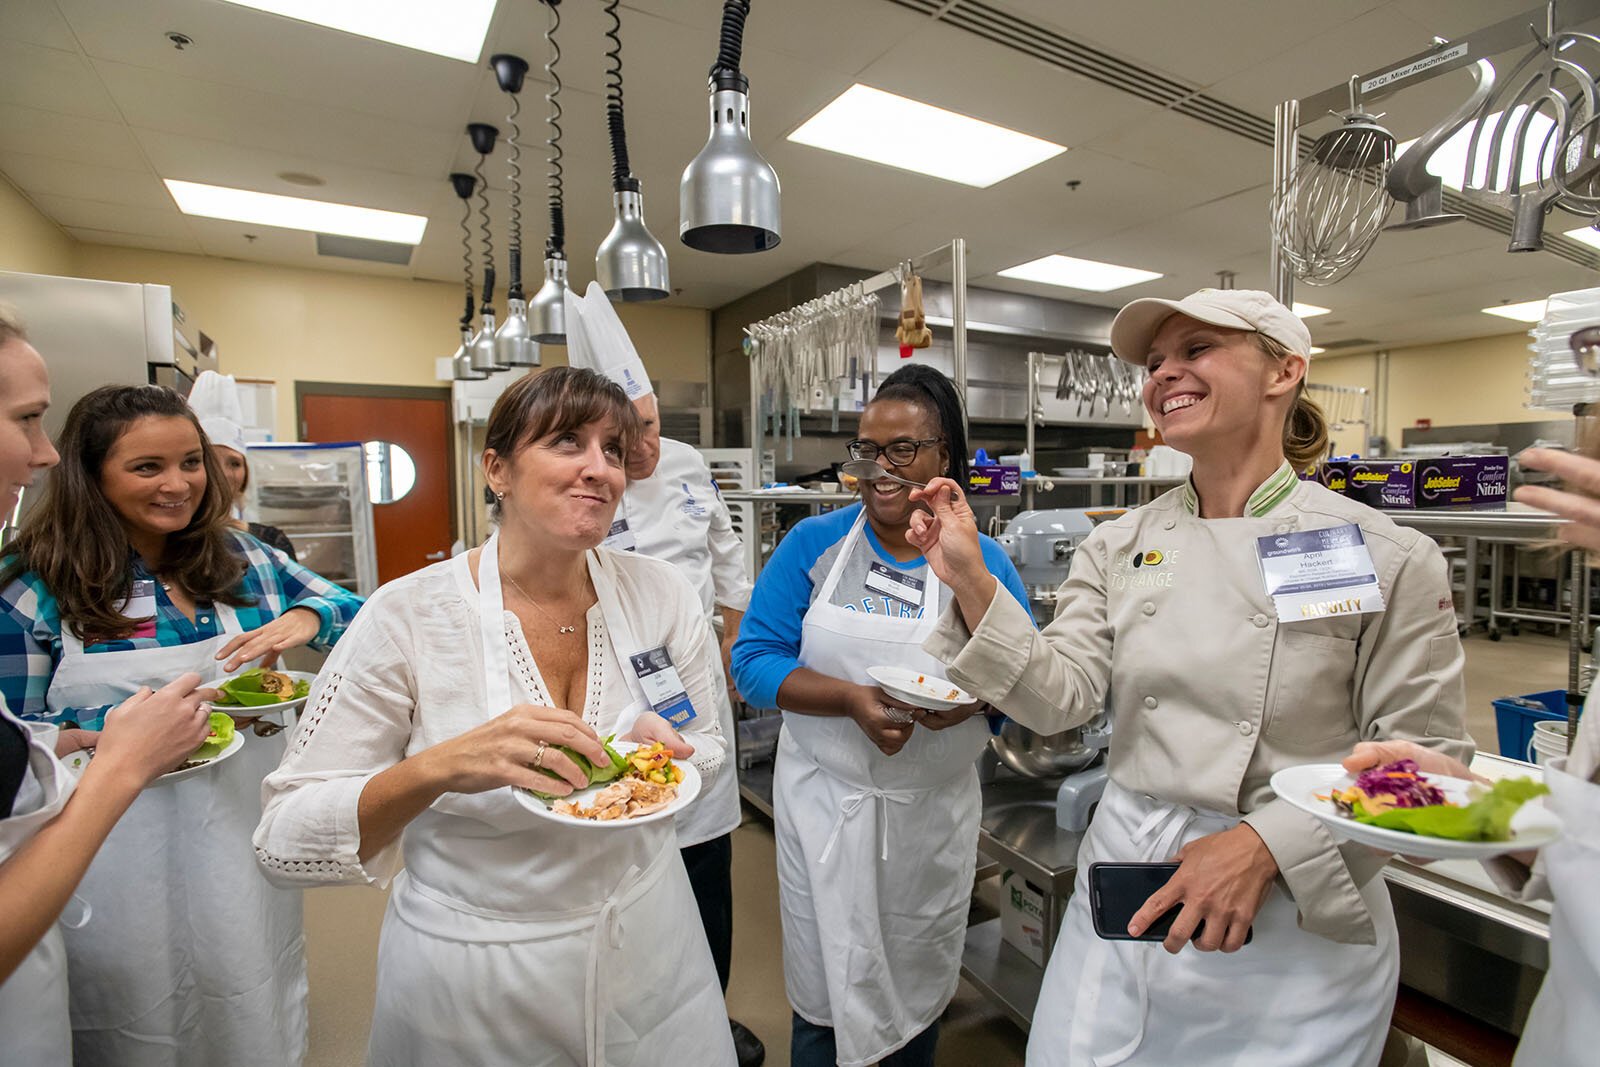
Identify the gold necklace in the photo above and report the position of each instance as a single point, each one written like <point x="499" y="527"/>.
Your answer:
<point x="559" y="628"/>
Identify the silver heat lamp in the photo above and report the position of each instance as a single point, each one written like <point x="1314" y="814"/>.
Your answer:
<point x="513" y="341"/>
<point x="484" y="356"/>
<point x="728" y="198"/>
<point x="547" y="310"/>
<point x="630" y="264"/>
<point x="461" y="368"/>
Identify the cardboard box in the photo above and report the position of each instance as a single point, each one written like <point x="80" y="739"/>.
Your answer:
<point x="1437" y="482"/>
<point x="1331" y="474"/>
<point x="1022" y="916"/>
<point x="992" y="479"/>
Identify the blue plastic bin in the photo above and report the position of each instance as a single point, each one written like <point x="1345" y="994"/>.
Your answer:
<point x="1514" y="723"/>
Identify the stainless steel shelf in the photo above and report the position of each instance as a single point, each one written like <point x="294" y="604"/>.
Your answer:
<point x="1001" y="973"/>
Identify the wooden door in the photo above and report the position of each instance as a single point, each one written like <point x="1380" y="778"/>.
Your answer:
<point x="415" y="529"/>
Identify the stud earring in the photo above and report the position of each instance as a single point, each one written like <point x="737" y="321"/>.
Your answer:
<point x="499" y="497"/>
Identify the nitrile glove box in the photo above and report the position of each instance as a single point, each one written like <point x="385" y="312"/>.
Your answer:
<point x="991" y="479"/>
<point x="1331" y="474"/>
<point x="1438" y="482"/>
<point x="1022" y="916"/>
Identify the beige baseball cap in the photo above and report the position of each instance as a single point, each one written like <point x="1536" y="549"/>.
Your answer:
<point x="1137" y="323"/>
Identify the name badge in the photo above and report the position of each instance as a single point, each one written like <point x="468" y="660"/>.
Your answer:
<point x="891" y="583"/>
<point x="141" y="604"/>
<point x="662" y="686"/>
<point x="621" y="537"/>
<point x="1314" y="574"/>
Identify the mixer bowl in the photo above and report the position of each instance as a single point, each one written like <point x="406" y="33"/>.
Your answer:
<point x="1041" y="755"/>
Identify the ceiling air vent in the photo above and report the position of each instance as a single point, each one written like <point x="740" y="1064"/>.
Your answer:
<point x="329" y="244"/>
<point x="1353" y="342"/>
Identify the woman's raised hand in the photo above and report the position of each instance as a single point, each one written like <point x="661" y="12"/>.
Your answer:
<point x="521" y="748"/>
<point x="295" y="627"/>
<point x="1578" y="473"/>
<point x="948" y="537"/>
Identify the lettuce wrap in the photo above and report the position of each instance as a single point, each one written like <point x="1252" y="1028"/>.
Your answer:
<point x="220" y="737"/>
<point x="597" y="773"/>
<point x="259" y="687"/>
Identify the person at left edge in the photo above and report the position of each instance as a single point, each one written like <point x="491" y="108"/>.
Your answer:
<point x="876" y="819"/>
<point x="127" y="574"/>
<point x="672" y="510"/>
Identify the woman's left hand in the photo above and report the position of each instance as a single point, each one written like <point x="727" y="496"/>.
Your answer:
<point x="1223" y="879"/>
<point x="943" y="720"/>
<point x="70" y="741"/>
<point x="651" y="728"/>
<point x="293" y="628"/>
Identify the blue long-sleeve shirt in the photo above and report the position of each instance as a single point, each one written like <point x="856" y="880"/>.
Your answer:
<point x="30" y="623"/>
<point x="768" y="649"/>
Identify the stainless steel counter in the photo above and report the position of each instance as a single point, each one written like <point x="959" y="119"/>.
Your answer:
<point x="1517" y="522"/>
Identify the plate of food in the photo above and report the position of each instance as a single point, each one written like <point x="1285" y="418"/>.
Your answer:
<point x="920" y="689"/>
<point x="1398" y="808"/>
<point x="261" y="690"/>
<point x="223" y="741"/>
<point x="642" y="784"/>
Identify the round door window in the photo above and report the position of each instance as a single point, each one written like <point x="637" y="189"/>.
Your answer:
<point x="390" y="472"/>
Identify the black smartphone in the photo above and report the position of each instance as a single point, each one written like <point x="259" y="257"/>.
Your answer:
<point x="1118" y="890"/>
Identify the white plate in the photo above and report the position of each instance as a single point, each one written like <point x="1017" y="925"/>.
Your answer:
<point x="1534" y="825"/>
<point x="688" y="789"/>
<point x="266" y="711"/>
<point x="189" y="772"/>
<point x="929" y="693"/>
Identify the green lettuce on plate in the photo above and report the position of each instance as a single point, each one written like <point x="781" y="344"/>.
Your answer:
<point x="596" y="773"/>
<point x="1488" y="818"/>
<point x="253" y="689"/>
<point x="220" y="737"/>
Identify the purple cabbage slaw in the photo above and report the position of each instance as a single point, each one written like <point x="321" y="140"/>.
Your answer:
<point x="1401" y="781"/>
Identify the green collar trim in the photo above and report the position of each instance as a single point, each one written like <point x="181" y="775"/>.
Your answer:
<point x="1268" y="495"/>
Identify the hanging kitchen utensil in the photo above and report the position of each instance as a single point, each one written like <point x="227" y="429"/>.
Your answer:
<point x="630" y="263"/>
<point x="1331" y="211"/>
<point x="461" y="368"/>
<point x="1409" y="180"/>
<point x="547" y="311"/>
<point x="513" y="341"/>
<point x="728" y="199"/>
<point x="913" y="330"/>
<point x="484" y="356"/>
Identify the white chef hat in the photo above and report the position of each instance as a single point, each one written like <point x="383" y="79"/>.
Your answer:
<point x="597" y="340"/>
<point x="215" y="401"/>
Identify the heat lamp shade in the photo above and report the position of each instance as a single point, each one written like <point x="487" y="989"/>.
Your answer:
<point x="513" y="343"/>
<point x="547" y="309"/>
<point x="728" y="200"/>
<point x="630" y="264"/>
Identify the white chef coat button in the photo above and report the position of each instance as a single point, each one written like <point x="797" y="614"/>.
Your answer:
<point x="1244" y="728"/>
<point x="1149" y="608"/>
<point x="1171" y="524"/>
<point x="1260" y="620"/>
<point x="1150" y="702"/>
<point x="1285" y="527"/>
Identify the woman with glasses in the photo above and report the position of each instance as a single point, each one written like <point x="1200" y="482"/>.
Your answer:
<point x="875" y="802"/>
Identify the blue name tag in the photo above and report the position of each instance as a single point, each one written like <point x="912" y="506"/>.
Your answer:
<point x="662" y="687"/>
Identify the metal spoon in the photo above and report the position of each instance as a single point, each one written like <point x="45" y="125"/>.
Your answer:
<point x="870" y="470"/>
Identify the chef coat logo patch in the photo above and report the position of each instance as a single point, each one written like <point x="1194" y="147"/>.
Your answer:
<point x="690" y="505"/>
<point x="1143" y="568"/>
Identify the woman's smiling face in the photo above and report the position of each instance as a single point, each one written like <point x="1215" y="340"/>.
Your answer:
<point x="885" y="423"/>
<point x="1207" y="384"/>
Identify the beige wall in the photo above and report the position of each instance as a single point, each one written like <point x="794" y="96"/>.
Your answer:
<point x="1460" y="383"/>
<point x="29" y="242"/>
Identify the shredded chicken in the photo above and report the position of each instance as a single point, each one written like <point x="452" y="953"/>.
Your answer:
<point x="626" y="798"/>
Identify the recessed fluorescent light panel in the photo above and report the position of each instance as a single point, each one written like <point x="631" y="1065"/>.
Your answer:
<point x="1308" y="311"/>
<point x="1083" y="274"/>
<point x="453" y="28"/>
<point x="1586" y="235"/>
<point x="1315" y="351"/>
<point x="907" y="134"/>
<point x="1527" y="311"/>
<point x="1449" y="162"/>
<point x="295" y="213"/>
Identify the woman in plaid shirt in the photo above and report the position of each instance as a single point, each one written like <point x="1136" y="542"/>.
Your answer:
<point x="126" y="575"/>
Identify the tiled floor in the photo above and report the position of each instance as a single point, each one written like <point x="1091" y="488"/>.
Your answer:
<point x="342" y="924"/>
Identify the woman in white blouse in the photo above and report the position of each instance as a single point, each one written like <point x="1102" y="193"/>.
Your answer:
<point x="511" y="938"/>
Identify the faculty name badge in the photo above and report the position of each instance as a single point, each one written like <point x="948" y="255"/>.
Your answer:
<point x="891" y="583"/>
<point x="621" y="537"/>
<point x="662" y="687"/>
<point x="141" y="604"/>
<point x="1313" y="574"/>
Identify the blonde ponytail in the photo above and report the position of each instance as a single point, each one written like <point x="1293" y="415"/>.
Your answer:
<point x="1305" y="431"/>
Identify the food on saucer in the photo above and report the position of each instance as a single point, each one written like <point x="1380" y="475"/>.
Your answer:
<point x="259" y="688"/>
<point x="642" y="783"/>
<point x="922" y="683"/>
<point x="219" y="737"/>
<point x="1397" y="796"/>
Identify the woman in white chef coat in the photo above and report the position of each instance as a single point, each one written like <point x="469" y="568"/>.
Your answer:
<point x="876" y="804"/>
<point x="1215" y="684"/>
<point x="511" y="937"/>
<point x="1564" y="1023"/>
<point x="215" y="399"/>
<point x="126" y="575"/>
<point x="52" y="823"/>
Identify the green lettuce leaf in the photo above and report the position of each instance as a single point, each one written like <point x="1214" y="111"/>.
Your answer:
<point x="612" y="770"/>
<point x="221" y="737"/>
<point x="1488" y="818"/>
<point x="244" y="690"/>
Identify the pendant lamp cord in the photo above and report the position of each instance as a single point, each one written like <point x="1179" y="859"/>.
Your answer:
<point x="466" y="257"/>
<point x="556" y="244"/>
<point x="488" y="235"/>
<point x="731" y="42"/>
<point x="622" y="179"/>
<point x="514" y="290"/>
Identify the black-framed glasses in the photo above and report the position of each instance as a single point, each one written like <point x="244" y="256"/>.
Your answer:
<point x="899" y="453"/>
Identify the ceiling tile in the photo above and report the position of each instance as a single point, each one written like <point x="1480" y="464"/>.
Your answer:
<point x="52" y="80"/>
<point x="79" y="181"/>
<point x="68" y="137"/>
<point x="129" y="240"/>
<point x="35" y="22"/>
<point x="93" y="215"/>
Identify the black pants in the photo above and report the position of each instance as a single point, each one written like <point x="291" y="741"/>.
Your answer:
<point x="710" y="866"/>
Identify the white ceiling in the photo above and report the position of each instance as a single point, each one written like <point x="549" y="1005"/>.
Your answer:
<point x="96" y="106"/>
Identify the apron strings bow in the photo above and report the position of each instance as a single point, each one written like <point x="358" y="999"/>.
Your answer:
<point x="851" y="804"/>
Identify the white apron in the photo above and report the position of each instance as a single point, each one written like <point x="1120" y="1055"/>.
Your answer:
<point x="1564" y="1024"/>
<point x="34" y="1027"/>
<point x="1287" y="999"/>
<point x="875" y="853"/>
<point x="190" y="957"/>
<point x="480" y="962"/>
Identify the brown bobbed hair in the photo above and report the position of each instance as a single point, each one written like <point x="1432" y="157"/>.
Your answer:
<point x="75" y="541"/>
<point x="1305" y="432"/>
<point x="558" y="400"/>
